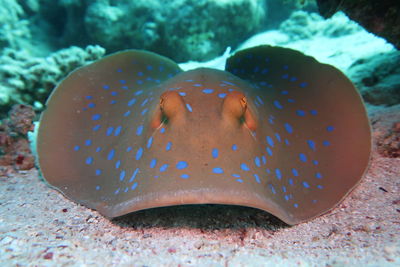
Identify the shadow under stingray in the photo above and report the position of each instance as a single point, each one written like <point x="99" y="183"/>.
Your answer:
<point x="203" y="217"/>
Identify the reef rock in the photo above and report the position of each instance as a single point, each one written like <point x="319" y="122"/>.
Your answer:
<point x="29" y="80"/>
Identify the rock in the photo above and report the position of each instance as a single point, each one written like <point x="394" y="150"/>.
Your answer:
<point x="378" y="78"/>
<point x="379" y="17"/>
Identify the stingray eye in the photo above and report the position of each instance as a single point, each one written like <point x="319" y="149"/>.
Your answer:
<point x="171" y="108"/>
<point x="235" y="111"/>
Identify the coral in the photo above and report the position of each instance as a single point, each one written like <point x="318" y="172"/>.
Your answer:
<point x="29" y="80"/>
<point x="14" y="29"/>
<point x="15" y="153"/>
<point x="304" y="25"/>
<point x="180" y="29"/>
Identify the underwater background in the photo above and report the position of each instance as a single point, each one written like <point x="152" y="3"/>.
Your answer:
<point x="41" y="41"/>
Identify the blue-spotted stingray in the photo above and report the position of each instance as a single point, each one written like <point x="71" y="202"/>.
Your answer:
<point x="276" y="130"/>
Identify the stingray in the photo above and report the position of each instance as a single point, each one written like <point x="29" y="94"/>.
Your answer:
<point x="276" y="130"/>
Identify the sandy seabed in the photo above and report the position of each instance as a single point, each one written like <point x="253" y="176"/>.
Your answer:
<point x="40" y="227"/>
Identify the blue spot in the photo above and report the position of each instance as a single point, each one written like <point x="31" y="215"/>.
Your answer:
<point x="229" y="83"/>
<point x="287" y="197"/>
<point x="126" y="114"/>
<point x="98" y="172"/>
<point x="257" y="178"/>
<point x="98" y="149"/>
<point x="288" y="128"/>
<point x="163" y="168"/>
<point x="222" y="95"/>
<point x="96" y="117"/>
<point x="122" y="175"/>
<point x="293" y="79"/>
<point x="96" y="128"/>
<point x="119" y="70"/>
<point x="113" y="102"/>
<point x="268" y="171"/>
<point x="214" y="153"/>
<point x="132" y="102"/>
<point x="129" y="149"/>
<point x="291" y="181"/>
<point x="287" y="142"/>
<point x="109" y="131"/>
<point x="290" y="100"/>
<point x="264" y="71"/>
<point x="89" y="160"/>
<point x="116" y="192"/>
<point x="295" y="172"/>
<point x="162" y="130"/>
<point x="185" y="176"/>
<point x="270" y="141"/>
<point x="76" y="148"/>
<point x="257" y="161"/>
<point x="106" y="87"/>
<point x="197" y="85"/>
<point x="300" y="113"/>
<point x="295" y="205"/>
<point x="139" y="130"/>
<point x="303" y="157"/>
<point x="305" y="184"/>
<point x="272" y="188"/>
<point x="264" y="160"/>
<point x="139" y="153"/>
<point x="269" y="151"/>
<point x="134" y="186"/>
<point x="278" y="174"/>
<point x="149" y="67"/>
<point x="189" y="107"/>
<point x="182" y="93"/>
<point x="260" y="100"/>
<point x="134" y="175"/>
<point x="208" y="91"/>
<point x="122" y="81"/>
<point x="189" y="81"/>
<point x="138" y="92"/>
<point x="218" y="170"/>
<point x="125" y="87"/>
<point x="277" y="104"/>
<point x="244" y="167"/>
<point x="140" y="73"/>
<point x="303" y="84"/>
<point x="318" y="175"/>
<point x="326" y="143"/>
<point x="168" y="146"/>
<point x="284" y="189"/>
<point x="113" y="93"/>
<point x="153" y="163"/>
<point x="285" y="67"/>
<point x="117" y="164"/>
<point x="181" y="165"/>
<point x="239" y="180"/>
<point x="111" y="154"/>
<point x="285" y="76"/>
<point x="89" y="97"/>
<point x="144" y="102"/>
<point x="149" y="142"/>
<point x="284" y="92"/>
<point x="234" y="147"/>
<point x="144" y="111"/>
<point x="320" y="186"/>
<point x="315" y="162"/>
<point x="330" y="128"/>
<point x="236" y="175"/>
<point x="313" y="112"/>
<point x="278" y="137"/>
<point x="311" y="144"/>
<point x="91" y="105"/>
<point x="117" y="130"/>
<point x="139" y="82"/>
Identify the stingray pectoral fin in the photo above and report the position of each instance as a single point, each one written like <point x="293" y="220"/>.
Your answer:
<point x="313" y="126"/>
<point x="83" y="137"/>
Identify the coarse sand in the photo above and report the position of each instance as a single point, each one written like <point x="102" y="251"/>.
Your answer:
<point x="40" y="227"/>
